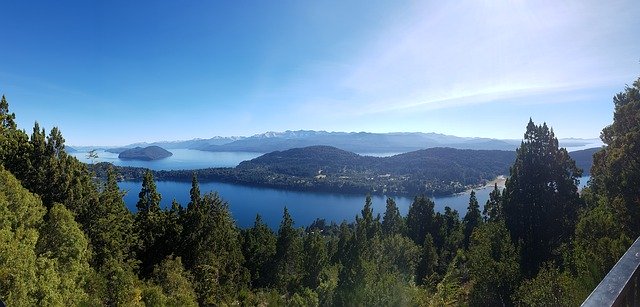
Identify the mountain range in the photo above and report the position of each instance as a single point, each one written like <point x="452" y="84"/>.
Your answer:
<point x="360" y="142"/>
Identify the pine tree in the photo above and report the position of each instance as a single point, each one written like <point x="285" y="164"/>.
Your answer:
<point x="428" y="261"/>
<point x="493" y="208"/>
<point x="314" y="260"/>
<point x="194" y="193"/>
<point x="150" y="225"/>
<point x="541" y="198"/>
<point x="615" y="174"/>
<point x="493" y="266"/>
<point x="288" y="258"/>
<point x="111" y="229"/>
<point x="392" y="221"/>
<point x="259" y="249"/>
<point x="472" y="219"/>
<point x="212" y="251"/>
<point x="7" y="120"/>
<point x="420" y="219"/>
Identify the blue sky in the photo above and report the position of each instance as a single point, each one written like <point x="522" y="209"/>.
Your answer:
<point x="118" y="72"/>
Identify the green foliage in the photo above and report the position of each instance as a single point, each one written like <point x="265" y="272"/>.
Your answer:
<point x="493" y="265"/>
<point x="212" y="251"/>
<point x="472" y="219"/>
<point x="314" y="260"/>
<point x="150" y="223"/>
<point x="420" y="219"/>
<point x="599" y="242"/>
<point x="174" y="283"/>
<point x="110" y="223"/>
<point x="392" y="222"/>
<point x="541" y="198"/>
<point x="41" y="263"/>
<point x="259" y="249"/>
<point x="428" y="262"/>
<point x="20" y="218"/>
<point x="616" y="169"/>
<point x="549" y="288"/>
<point x="288" y="257"/>
<point x="493" y="211"/>
<point x="447" y="238"/>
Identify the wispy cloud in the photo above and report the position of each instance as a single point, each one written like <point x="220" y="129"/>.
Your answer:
<point x="448" y="54"/>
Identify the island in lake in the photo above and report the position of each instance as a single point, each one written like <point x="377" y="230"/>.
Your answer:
<point x="147" y="153"/>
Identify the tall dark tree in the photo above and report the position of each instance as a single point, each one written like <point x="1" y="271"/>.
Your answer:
<point x="615" y="173"/>
<point x="150" y="225"/>
<point x="111" y="229"/>
<point x="472" y="219"/>
<point x="314" y="259"/>
<point x="7" y="120"/>
<point x="448" y="237"/>
<point x="392" y="221"/>
<point x="194" y="193"/>
<point x="541" y="198"/>
<point x="288" y="258"/>
<point x="213" y="252"/>
<point x="428" y="260"/>
<point x="493" y="208"/>
<point x="493" y="266"/>
<point x="367" y="227"/>
<point x="420" y="219"/>
<point x="259" y="248"/>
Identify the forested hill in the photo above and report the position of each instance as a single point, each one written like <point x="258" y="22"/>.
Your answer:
<point x="584" y="159"/>
<point x="444" y="164"/>
<point x="434" y="171"/>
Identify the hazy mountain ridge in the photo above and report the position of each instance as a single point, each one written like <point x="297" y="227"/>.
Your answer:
<point x="361" y="142"/>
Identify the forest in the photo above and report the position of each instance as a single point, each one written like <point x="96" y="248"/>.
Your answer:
<point x="68" y="239"/>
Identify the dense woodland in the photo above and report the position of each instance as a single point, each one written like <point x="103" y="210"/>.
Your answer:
<point x="67" y="239"/>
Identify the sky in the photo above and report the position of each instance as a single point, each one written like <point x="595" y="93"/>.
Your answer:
<point x="119" y="72"/>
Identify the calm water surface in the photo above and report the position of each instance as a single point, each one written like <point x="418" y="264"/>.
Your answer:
<point x="181" y="159"/>
<point x="245" y="202"/>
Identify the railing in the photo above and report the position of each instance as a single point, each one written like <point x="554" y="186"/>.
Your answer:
<point x="621" y="285"/>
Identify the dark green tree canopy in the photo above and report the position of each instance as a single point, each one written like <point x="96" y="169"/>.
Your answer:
<point x="616" y="168"/>
<point x="472" y="219"/>
<point x="541" y="198"/>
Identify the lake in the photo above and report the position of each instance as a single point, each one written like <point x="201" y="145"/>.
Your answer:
<point x="245" y="202"/>
<point x="181" y="159"/>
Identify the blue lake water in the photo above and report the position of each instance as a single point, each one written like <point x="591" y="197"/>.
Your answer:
<point x="245" y="202"/>
<point x="181" y="159"/>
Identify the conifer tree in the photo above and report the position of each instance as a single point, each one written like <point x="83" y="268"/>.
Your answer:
<point x="428" y="261"/>
<point x="472" y="219"/>
<point x="420" y="219"/>
<point x="259" y="248"/>
<point x="541" y="198"/>
<point x="194" y="193"/>
<point x="493" y="208"/>
<point x="392" y="221"/>
<point x="111" y="229"/>
<point x="150" y="225"/>
<point x="288" y="258"/>
<point x="615" y="174"/>
<point x="314" y="260"/>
